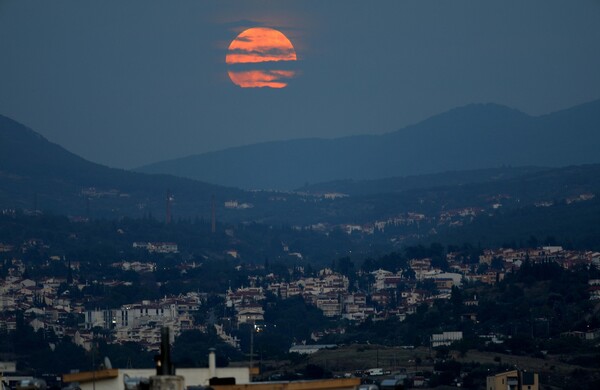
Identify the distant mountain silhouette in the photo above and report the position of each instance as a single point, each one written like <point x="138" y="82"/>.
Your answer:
<point x="34" y="170"/>
<point x="37" y="174"/>
<point x="470" y="137"/>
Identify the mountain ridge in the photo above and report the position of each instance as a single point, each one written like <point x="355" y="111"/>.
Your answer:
<point x="61" y="181"/>
<point x="469" y="137"/>
<point x="35" y="172"/>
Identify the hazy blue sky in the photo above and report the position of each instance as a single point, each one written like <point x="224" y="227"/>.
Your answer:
<point x="125" y="83"/>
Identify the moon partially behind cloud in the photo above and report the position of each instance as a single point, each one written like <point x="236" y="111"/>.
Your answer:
<point x="257" y="58"/>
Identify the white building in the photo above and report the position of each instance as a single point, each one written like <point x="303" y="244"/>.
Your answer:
<point x="310" y="349"/>
<point x="445" y="338"/>
<point x="113" y="379"/>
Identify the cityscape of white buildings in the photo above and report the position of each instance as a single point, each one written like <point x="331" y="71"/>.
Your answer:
<point x="47" y="305"/>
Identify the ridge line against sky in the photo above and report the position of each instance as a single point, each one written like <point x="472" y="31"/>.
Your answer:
<point x="335" y="138"/>
<point x="131" y="83"/>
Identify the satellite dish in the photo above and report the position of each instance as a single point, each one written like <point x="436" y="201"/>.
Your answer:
<point x="107" y="364"/>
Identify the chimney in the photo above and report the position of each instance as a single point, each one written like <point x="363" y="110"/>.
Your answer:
<point x="165" y="377"/>
<point x="212" y="363"/>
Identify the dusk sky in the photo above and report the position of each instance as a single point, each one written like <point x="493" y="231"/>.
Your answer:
<point x="127" y="83"/>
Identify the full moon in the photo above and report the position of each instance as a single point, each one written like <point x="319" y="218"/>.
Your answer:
<point x="257" y="57"/>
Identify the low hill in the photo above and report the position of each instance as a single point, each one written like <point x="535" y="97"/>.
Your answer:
<point x="546" y="186"/>
<point x="466" y="138"/>
<point x="398" y="184"/>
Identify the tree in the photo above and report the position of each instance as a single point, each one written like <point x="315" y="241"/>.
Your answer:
<point x="497" y="263"/>
<point x="409" y="274"/>
<point x="418" y="362"/>
<point x="442" y="352"/>
<point x="294" y="320"/>
<point x="456" y="299"/>
<point x="191" y="349"/>
<point x="345" y="266"/>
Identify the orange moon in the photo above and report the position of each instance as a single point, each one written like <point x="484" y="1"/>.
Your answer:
<point x="256" y="58"/>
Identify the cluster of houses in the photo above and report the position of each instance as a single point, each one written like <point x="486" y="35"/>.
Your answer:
<point x="48" y="303"/>
<point x="45" y="303"/>
<point x="454" y="217"/>
<point x="141" y="322"/>
<point x="406" y="219"/>
<point x="329" y="291"/>
<point x="513" y="258"/>
<point x="157" y="247"/>
<point x="26" y="295"/>
<point x="396" y="294"/>
<point x="451" y="217"/>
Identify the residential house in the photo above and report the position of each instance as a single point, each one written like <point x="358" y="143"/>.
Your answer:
<point x="513" y="380"/>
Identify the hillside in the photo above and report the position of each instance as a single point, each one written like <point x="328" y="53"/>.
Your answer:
<point x="442" y="194"/>
<point x="37" y="173"/>
<point x="398" y="184"/>
<point x="466" y="138"/>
